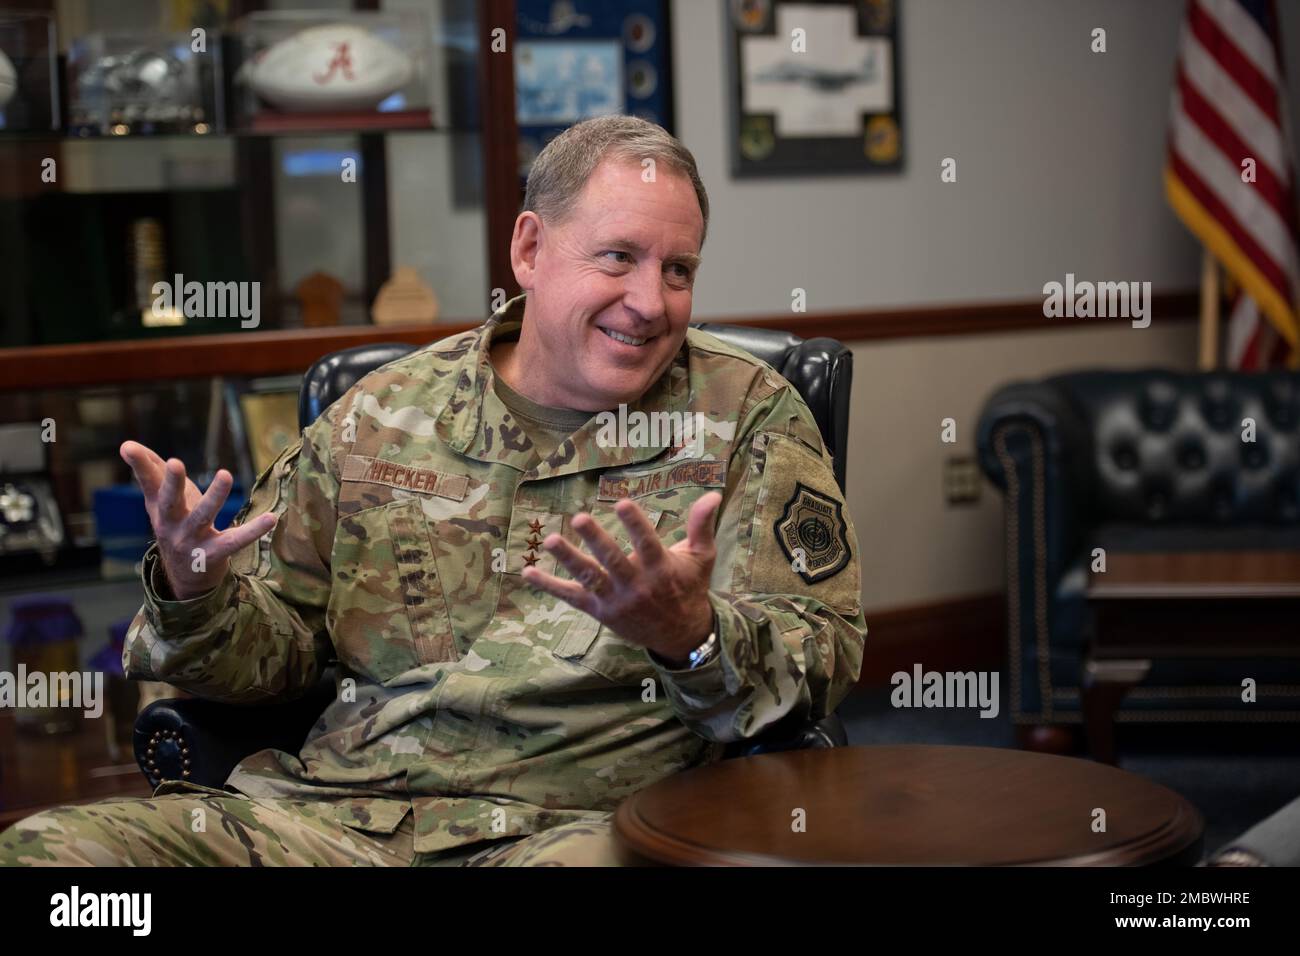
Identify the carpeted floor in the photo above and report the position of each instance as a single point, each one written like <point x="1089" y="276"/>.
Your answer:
<point x="1235" y="775"/>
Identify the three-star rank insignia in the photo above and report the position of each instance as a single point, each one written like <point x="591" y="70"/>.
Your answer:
<point x="813" y="534"/>
<point x="527" y="532"/>
<point x="534" y="542"/>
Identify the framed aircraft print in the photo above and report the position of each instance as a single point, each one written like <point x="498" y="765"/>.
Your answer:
<point x="814" y="86"/>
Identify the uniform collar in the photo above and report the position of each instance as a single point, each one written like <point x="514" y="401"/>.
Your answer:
<point x="474" y="424"/>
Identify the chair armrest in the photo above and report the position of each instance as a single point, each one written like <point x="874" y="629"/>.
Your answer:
<point x="824" y="733"/>
<point x="201" y="741"/>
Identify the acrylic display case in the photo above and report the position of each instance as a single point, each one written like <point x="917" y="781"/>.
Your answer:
<point x="132" y="83"/>
<point x="29" y="72"/>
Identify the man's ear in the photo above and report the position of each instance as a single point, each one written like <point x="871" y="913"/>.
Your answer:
<point x="525" y="243"/>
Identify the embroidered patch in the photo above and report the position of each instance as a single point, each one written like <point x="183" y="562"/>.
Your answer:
<point x="705" y="474"/>
<point x="406" y="477"/>
<point x="811" y="532"/>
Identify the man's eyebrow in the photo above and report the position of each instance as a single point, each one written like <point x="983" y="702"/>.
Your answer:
<point x="685" y="258"/>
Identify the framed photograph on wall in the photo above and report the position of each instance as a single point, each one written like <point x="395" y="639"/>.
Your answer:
<point x="814" y="86"/>
<point x="585" y="58"/>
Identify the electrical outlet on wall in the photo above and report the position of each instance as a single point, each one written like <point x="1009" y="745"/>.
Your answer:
<point x="961" y="481"/>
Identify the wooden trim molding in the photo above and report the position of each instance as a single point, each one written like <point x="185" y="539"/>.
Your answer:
<point x="235" y="353"/>
<point x="969" y="319"/>
<point x="281" y="352"/>
<point x="967" y="633"/>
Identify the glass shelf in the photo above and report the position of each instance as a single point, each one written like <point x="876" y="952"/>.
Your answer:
<point x="281" y="126"/>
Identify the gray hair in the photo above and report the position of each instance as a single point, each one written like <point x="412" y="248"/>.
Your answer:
<point x="562" y="169"/>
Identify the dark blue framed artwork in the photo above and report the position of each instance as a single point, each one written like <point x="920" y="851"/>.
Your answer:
<point x="814" y="87"/>
<point x="575" y="59"/>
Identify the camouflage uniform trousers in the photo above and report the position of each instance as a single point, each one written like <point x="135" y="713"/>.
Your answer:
<point x="247" y="831"/>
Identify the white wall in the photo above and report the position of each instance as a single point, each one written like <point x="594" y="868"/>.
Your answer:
<point x="1059" y="155"/>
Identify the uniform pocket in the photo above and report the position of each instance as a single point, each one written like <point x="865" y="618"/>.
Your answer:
<point x="266" y="496"/>
<point x="371" y="815"/>
<point x="597" y="648"/>
<point x="587" y="641"/>
<point x="387" y="612"/>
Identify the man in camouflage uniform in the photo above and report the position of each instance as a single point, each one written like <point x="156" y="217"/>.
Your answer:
<point x="501" y="689"/>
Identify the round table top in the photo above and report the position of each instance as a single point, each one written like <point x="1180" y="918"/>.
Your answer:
<point x="913" y="805"/>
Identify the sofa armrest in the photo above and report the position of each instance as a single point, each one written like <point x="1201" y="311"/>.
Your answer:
<point x="201" y="741"/>
<point x="1035" y="446"/>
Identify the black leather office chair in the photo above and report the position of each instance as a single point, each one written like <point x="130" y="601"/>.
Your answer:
<point x="201" y="740"/>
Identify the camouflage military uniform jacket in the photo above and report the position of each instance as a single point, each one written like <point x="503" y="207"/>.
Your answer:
<point x="488" y="708"/>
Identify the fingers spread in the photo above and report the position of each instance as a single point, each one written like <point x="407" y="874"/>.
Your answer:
<point x="209" y="506"/>
<point x="644" y="539"/>
<point x="699" y="524"/>
<point x="171" y="498"/>
<point x="571" y="592"/>
<point x="586" y="572"/>
<point x="133" y="449"/>
<point x="235" y="539"/>
<point x="605" y="548"/>
<point x="145" y="465"/>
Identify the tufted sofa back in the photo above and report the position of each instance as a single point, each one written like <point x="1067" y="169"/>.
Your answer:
<point x="1170" y="446"/>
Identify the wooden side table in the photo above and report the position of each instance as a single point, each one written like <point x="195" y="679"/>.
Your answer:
<point x="1206" y="604"/>
<point x="909" y="806"/>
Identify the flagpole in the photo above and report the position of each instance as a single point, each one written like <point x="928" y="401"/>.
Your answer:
<point x="1209" y="311"/>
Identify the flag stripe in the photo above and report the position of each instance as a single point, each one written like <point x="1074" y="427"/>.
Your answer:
<point x="1251" y="216"/>
<point x="1262" y="91"/>
<point x="1237" y="108"/>
<point x="1246" y="33"/>
<point x="1228" y="106"/>
<point x="1278" y="195"/>
<point x="1228" y="225"/>
<point x="1261" y="11"/>
<point x="1241" y="333"/>
<point x="1210" y="229"/>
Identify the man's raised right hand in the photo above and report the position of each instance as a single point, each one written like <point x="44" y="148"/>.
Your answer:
<point x="182" y="519"/>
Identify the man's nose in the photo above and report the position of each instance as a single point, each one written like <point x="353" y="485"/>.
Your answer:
<point x="644" y="293"/>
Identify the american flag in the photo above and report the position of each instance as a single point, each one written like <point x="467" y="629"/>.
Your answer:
<point x="1228" y="125"/>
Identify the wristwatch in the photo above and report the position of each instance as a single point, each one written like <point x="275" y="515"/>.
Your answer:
<point x="705" y="652"/>
<point x="697" y="658"/>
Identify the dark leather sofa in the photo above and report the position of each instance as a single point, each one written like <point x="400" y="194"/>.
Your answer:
<point x="201" y="741"/>
<point x="1137" y="460"/>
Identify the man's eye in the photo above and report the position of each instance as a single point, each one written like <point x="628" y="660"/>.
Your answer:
<point x="681" y="271"/>
<point x="618" y="252"/>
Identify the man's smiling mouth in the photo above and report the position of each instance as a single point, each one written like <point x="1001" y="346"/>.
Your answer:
<point x="625" y="339"/>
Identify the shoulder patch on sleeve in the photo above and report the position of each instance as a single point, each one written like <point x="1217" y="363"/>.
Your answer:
<point x="812" y="533"/>
<point x="799" y="536"/>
